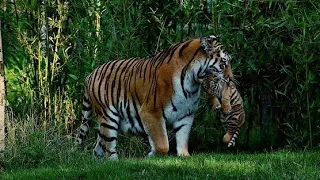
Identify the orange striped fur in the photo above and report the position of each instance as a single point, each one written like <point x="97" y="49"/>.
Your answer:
<point x="142" y="95"/>
<point x="225" y="91"/>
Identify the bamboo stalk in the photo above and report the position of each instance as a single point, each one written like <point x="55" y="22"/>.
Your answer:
<point x="2" y="96"/>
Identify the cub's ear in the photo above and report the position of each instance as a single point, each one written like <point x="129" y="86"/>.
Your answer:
<point x="208" y="44"/>
<point x="227" y="72"/>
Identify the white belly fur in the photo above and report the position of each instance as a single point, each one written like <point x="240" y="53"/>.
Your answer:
<point x="183" y="105"/>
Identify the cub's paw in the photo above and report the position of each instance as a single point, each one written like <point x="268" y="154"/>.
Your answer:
<point x="226" y="109"/>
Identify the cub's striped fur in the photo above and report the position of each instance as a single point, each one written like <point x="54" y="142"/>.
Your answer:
<point x="233" y="115"/>
<point x="142" y="95"/>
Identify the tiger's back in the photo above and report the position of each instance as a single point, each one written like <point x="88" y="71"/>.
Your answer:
<point x="120" y="88"/>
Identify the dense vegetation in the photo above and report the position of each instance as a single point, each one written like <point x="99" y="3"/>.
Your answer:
<point x="50" y="47"/>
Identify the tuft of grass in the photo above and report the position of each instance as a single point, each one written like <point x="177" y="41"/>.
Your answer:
<point x="276" y="165"/>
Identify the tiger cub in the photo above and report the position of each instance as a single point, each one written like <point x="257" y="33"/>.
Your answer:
<point x="142" y="95"/>
<point x="223" y="90"/>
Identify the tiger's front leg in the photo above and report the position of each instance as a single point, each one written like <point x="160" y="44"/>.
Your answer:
<point x="182" y="129"/>
<point x="155" y="127"/>
<point x="107" y="138"/>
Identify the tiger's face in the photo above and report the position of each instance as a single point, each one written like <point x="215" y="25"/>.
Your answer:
<point x="217" y="58"/>
<point x="218" y="62"/>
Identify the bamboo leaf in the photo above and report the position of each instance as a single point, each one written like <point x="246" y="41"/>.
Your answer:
<point x="74" y="77"/>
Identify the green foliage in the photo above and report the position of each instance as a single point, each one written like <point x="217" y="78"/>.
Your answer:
<point x="274" y="44"/>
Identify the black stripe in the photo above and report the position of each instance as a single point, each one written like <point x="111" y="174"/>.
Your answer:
<point x="234" y="93"/>
<point x="163" y="114"/>
<point x="151" y="87"/>
<point x="198" y="74"/>
<point x="107" y="139"/>
<point x="107" y="85"/>
<point x="112" y="152"/>
<point x="129" y="116"/>
<point x="86" y="99"/>
<point x="94" y="94"/>
<point x="105" y="70"/>
<point x="102" y="146"/>
<point x="183" y="74"/>
<point x="175" y="130"/>
<point x="128" y="79"/>
<point x="197" y="101"/>
<point x="111" y="119"/>
<point x="105" y="125"/>
<point x="92" y="85"/>
<point x="162" y="56"/>
<point x="173" y="106"/>
<point x="186" y="115"/>
<point x="115" y="80"/>
<point x="195" y="91"/>
<point x="183" y="47"/>
<point x="142" y="69"/>
<point x="102" y="68"/>
<point x="137" y="115"/>
<point x="172" y="52"/>
<point x="85" y="108"/>
<point x="137" y="97"/>
<point x="96" y="79"/>
<point x="120" y="109"/>
<point x="155" y="92"/>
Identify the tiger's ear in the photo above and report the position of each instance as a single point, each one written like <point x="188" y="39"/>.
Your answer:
<point x="208" y="43"/>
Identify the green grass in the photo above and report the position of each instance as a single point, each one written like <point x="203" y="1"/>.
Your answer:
<point x="276" y="165"/>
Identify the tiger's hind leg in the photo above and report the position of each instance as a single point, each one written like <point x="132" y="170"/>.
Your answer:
<point x="107" y="138"/>
<point x="182" y="129"/>
<point x="155" y="127"/>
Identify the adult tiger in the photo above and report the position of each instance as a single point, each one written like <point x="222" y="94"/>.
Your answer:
<point x="142" y="95"/>
<point x="222" y="89"/>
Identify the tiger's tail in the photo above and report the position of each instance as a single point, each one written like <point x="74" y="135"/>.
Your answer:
<point x="86" y="119"/>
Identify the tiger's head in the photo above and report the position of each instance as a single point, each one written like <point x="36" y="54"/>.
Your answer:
<point x="210" y="58"/>
<point x="216" y="54"/>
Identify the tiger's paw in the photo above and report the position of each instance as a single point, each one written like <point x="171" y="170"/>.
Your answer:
<point x="113" y="157"/>
<point x="151" y="154"/>
<point x="183" y="153"/>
